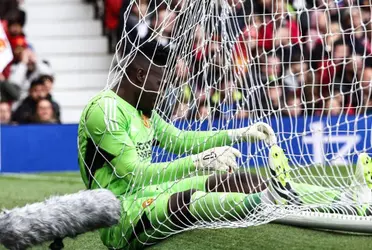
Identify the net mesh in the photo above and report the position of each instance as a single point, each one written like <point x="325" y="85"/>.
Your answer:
<point x="303" y="67"/>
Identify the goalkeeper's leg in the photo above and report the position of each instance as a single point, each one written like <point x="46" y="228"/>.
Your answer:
<point x="355" y="200"/>
<point x="283" y="190"/>
<point x="170" y="214"/>
<point x="169" y="208"/>
<point x="240" y="182"/>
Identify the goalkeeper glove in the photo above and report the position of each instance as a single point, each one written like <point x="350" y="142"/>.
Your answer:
<point x="257" y="131"/>
<point x="217" y="159"/>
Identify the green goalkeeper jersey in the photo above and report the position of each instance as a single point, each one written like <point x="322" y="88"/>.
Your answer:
<point x="115" y="146"/>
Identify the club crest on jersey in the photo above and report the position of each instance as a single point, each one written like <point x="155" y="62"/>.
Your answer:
<point x="146" y="121"/>
<point x="147" y="203"/>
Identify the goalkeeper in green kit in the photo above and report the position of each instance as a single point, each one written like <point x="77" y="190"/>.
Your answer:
<point x="116" y="133"/>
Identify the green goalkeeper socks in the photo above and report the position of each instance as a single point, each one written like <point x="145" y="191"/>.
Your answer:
<point x="222" y="206"/>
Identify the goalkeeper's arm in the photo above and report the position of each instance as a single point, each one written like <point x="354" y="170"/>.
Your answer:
<point x="178" y="141"/>
<point x="127" y="164"/>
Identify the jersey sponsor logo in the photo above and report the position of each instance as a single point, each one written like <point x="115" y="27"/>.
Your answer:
<point x="147" y="203"/>
<point x="144" y="149"/>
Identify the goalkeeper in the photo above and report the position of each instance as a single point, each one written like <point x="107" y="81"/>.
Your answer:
<point x="116" y="133"/>
<point x="115" y="141"/>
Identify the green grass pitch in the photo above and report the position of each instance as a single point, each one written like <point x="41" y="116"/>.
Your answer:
<point x="18" y="190"/>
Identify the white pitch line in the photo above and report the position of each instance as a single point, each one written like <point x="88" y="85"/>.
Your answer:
<point x="41" y="177"/>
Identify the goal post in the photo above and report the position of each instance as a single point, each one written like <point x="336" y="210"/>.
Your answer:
<point x="303" y="67"/>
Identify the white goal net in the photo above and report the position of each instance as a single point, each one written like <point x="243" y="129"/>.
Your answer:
<point x="302" y="66"/>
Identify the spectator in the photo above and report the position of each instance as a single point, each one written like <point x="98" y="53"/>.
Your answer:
<point x="15" y="21"/>
<point x="111" y="21"/>
<point x="112" y="14"/>
<point x="13" y="25"/>
<point x="162" y="25"/>
<point x="18" y="45"/>
<point x="7" y="6"/>
<point x="135" y="25"/>
<point x="262" y="77"/>
<point x="272" y="68"/>
<point x="350" y="74"/>
<point x="320" y="45"/>
<point x="354" y="21"/>
<point x="322" y="52"/>
<point x="367" y="42"/>
<point x="242" y="113"/>
<point x="278" y="26"/>
<point x="181" y="112"/>
<point x="341" y="52"/>
<point x="342" y="74"/>
<point x="275" y="95"/>
<point x="295" y="75"/>
<point x="27" y="109"/>
<point x="246" y="46"/>
<point x="8" y="92"/>
<point x="230" y="101"/>
<point x="203" y="113"/>
<point x="45" y="112"/>
<point x="293" y="106"/>
<point x="333" y="106"/>
<point x="5" y="113"/>
<point x="29" y="68"/>
<point x="331" y="71"/>
<point x="178" y="5"/>
<point x="48" y="83"/>
<point x="182" y="69"/>
<point x="25" y="113"/>
<point x="365" y="103"/>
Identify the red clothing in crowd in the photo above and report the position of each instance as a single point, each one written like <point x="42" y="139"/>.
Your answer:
<point x="265" y="34"/>
<point x="112" y="13"/>
<point x="241" y="48"/>
<point x="15" y="41"/>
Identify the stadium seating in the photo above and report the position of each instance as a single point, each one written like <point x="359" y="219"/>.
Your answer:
<point x="70" y="39"/>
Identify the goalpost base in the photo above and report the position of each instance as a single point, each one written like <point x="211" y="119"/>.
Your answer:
<point x="332" y="222"/>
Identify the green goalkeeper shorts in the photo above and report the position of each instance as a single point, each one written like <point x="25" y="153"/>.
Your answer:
<point x="153" y="201"/>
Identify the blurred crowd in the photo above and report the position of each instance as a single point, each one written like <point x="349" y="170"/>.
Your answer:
<point x="291" y="57"/>
<point x="26" y="83"/>
<point x="244" y="58"/>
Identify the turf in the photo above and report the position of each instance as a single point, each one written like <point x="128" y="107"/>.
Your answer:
<point x="21" y="189"/>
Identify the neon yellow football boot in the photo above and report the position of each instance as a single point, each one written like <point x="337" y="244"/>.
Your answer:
<point x="280" y="182"/>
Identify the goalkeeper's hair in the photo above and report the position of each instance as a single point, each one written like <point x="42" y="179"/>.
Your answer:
<point x="154" y="51"/>
<point x="58" y="217"/>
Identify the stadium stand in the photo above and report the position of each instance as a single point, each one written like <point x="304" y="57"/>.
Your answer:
<point x="66" y="34"/>
<point x="78" y="53"/>
<point x="314" y="54"/>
